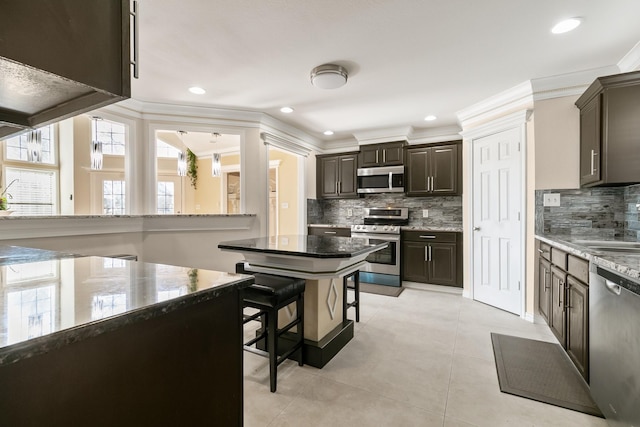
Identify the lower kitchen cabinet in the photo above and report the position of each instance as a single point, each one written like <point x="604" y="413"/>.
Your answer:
<point x="563" y="301"/>
<point x="434" y="258"/>
<point x="327" y="230"/>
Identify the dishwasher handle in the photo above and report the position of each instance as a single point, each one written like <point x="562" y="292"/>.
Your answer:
<point x="612" y="287"/>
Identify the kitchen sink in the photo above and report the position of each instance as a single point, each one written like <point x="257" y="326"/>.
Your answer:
<point x="611" y="246"/>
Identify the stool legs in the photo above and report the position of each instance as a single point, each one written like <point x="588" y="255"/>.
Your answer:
<point x="356" y="288"/>
<point x="272" y="336"/>
<point x="300" y="326"/>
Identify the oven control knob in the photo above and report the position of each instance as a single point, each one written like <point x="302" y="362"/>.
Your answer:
<point x="374" y="228"/>
<point x="385" y="228"/>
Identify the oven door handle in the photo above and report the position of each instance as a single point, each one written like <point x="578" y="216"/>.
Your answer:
<point x="388" y="237"/>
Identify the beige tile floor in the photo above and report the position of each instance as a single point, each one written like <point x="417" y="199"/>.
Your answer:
<point x="422" y="359"/>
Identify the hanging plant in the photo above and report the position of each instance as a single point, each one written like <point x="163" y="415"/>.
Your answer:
<point x="192" y="168"/>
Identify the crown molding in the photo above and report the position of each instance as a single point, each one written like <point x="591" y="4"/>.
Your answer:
<point x="570" y="84"/>
<point x="285" y="143"/>
<point x="503" y="123"/>
<point x="339" y="146"/>
<point x="516" y="98"/>
<point x="631" y="61"/>
<point x="432" y="135"/>
<point x="377" y="136"/>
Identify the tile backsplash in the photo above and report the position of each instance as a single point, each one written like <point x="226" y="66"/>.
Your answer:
<point x="599" y="212"/>
<point x="443" y="211"/>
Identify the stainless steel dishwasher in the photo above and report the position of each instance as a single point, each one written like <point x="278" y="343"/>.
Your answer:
<point x="614" y="336"/>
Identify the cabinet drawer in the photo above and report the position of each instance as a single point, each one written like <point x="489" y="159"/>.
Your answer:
<point x="329" y="231"/>
<point x="545" y="251"/>
<point x="429" y="236"/>
<point x="559" y="258"/>
<point x="578" y="268"/>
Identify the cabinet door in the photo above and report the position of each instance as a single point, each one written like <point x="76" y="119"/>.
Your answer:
<point x="392" y="155"/>
<point x="348" y="184"/>
<point x="557" y="318"/>
<point x="328" y="177"/>
<point x="370" y="156"/>
<point x="444" y="170"/>
<point x="442" y="264"/>
<point x="544" y="288"/>
<point x="414" y="262"/>
<point x="578" y="324"/>
<point x="590" y="142"/>
<point x="416" y="179"/>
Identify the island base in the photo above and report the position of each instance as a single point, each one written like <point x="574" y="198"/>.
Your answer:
<point x="317" y="353"/>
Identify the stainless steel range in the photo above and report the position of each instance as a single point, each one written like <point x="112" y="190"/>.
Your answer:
<point x="382" y="225"/>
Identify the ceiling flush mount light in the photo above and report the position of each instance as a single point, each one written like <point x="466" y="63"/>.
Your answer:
<point x="566" y="25"/>
<point x="328" y="132"/>
<point x="329" y="76"/>
<point x="197" y="90"/>
<point x="286" y="110"/>
<point x="430" y="118"/>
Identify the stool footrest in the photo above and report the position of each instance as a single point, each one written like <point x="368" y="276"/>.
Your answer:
<point x="291" y="324"/>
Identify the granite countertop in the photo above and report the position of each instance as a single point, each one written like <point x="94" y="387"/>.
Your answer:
<point x="49" y="303"/>
<point x="23" y="217"/>
<point x="17" y="254"/>
<point x="330" y="225"/>
<point x="624" y="263"/>
<point x="456" y="229"/>
<point x="305" y="246"/>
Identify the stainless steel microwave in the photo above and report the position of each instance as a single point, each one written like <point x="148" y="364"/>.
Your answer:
<point x="386" y="179"/>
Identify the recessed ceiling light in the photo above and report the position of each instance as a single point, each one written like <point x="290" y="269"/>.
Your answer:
<point x="430" y="118"/>
<point x="328" y="132"/>
<point x="566" y="25"/>
<point x="197" y="90"/>
<point x="286" y="110"/>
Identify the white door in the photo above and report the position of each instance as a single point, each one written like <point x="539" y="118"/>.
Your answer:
<point x="497" y="235"/>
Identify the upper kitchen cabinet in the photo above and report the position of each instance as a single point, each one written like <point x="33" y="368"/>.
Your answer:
<point x="60" y="58"/>
<point x="374" y="155"/>
<point x="336" y="176"/>
<point x="610" y="131"/>
<point x="434" y="170"/>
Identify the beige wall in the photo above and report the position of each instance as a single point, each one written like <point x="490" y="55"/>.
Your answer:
<point x="557" y="153"/>
<point x="287" y="191"/>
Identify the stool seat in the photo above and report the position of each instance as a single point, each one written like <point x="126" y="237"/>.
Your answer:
<point x="272" y="290"/>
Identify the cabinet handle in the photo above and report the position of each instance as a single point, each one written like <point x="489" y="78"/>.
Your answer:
<point x="384" y="156"/>
<point x="544" y="279"/>
<point x="541" y="251"/>
<point x="593" y="162"/>
<point x="426" y="253"/>
<point x="339" y="187"/>
<point x="376" y="156"/>
<point x="329" y="232"/>
<point x="560" y="298"/>
<point x="136" y="65"/>
<point x="390" y="180"/>
<point x="430" y="258"/>
<point x="432" y="189"/>
<point x="427" y="237"/>
<point x="336" y="187"/>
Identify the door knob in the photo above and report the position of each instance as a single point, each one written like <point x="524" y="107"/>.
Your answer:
<point x="476" y="228"/>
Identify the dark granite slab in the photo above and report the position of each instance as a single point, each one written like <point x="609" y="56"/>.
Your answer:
<point x="305" y="246"/>
<point x="49" y="300"/>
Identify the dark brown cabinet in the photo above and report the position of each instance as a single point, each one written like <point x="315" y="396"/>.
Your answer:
<point x="432" y="257"/>
<point x="433" y="170"/>
<point x="336" y="176"/>
<point x="544" y="280"/>
<point x="60" y="58"/>
<point x="325" y="230"/>
<point x="563" y="291"/>
<point x="374" y="155"/>
<point x="610" y="131"/>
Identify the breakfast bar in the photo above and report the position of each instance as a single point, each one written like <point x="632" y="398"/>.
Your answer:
<point x="105" y="341"/>
<point x="322" y="261"/>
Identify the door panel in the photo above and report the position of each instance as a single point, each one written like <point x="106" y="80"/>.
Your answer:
<point x="544" y="288"/>
<point x="442" y="267"/>
<point x="445" y="169"/>
<point x="348" y="182"/>
<point x="497" y="198"/>
<point x="557" y="318"/>
<point x="414" y="264"/>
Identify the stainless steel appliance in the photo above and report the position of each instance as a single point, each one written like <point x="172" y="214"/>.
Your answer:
<point x="385" y="179"/>
<point x="614" y="337"/>
<point x="382" y="225"/>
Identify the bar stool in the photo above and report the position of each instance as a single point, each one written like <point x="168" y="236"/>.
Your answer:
<point x="356" y="289"/>
<point x="268" y="295"/>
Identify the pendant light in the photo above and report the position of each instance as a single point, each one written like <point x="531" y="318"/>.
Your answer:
<point x="182" y="157"/>
<point x="216" y="165"/>
<point x="34" y="146"/>
<point x="96" y="145"/>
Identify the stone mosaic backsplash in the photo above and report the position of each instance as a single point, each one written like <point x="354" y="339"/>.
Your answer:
<point x="603" y="212"/>
<point x="443" y="211"/>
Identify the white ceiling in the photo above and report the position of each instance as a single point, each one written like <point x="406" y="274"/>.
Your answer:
<point x="405" y="58"/>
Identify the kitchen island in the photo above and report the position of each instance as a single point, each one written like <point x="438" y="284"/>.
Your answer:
<point x="105" y="341"/>
<point x="322" y="261"/>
